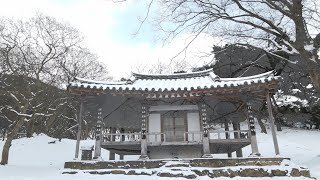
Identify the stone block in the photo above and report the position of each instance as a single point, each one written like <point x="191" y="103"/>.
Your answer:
<point x="118" y="172"/>
<point x="295" y="172"/>
<point x="277" y="172"/>
<point x="305" y="173"/>
<point x="253" y="173"/>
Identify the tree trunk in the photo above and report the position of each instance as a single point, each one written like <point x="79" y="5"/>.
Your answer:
<point x="30" y="128"/>
<point x="4" y="134"/>
<point x="10" y="137"/>
<point x="278" y="123"/>
<point x="315" y="76"/>
<point x="276" y="119"/>
<point x="262" y="126"/>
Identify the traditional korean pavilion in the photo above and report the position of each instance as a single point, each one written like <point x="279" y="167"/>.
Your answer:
<point x="163" y="116"/>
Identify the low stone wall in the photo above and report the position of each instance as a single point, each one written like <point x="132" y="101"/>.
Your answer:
<point x="192" y="168"/>
<point x="150" y="164"/>
<point x="212" y="173"/>
<point x="236" y="162"/>
<point x="91" y="165"/>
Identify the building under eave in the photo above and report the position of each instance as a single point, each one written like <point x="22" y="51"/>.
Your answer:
<point x="169" y="116"/>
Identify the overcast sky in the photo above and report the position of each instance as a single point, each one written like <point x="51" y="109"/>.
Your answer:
<point x="109" y="28"/>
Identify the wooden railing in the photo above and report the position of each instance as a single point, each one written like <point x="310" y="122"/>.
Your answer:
<point x="193" y="136"/>
<point x="232" y="134"/>
<point x="156" y="137"/>
<point x="121" y="137"/>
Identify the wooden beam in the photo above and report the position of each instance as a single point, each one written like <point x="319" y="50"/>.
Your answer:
<point x="271" y="121"/>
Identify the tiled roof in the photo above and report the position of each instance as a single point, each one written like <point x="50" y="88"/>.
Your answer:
<point x="175" y="82"/>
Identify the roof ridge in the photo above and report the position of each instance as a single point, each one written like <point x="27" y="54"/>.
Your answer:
<point x="266" y="75"/>
<point x="83" y="80"/>
<point x="173" y="76"/>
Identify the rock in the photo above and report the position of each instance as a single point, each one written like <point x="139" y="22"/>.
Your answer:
<point x="295" y="172"/>
<point x="201" y="173"/>
<point x="277" y="172"/>
<point x="145" y="173"/>
<point x="191" y="176"/>
<point x="118" y="172"/>
<point x="220" y="173"/>
<point x="70" y="172"/>
<point x="104" y="172"/>
<point x="253" y="173"/>
<point x="131" y="172"/>
<point x="233" y="173"/>
<point x="177" y="165"/>
<point x="99" y="172"/>
<point x="305" y="173"/>
<point x="165" y="174"/>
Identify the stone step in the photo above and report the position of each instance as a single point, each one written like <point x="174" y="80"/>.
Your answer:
<point x="193" y="173"/>
<point x="181" y="163"/>
<point x="149" y="164"/>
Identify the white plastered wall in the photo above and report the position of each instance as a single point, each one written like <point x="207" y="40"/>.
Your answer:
<point x="193" y="126"/>
<point x="154" y="128"/>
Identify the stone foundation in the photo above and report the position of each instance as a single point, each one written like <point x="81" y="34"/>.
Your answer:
<point x="193" y="168"/>
<point x="150" y="164"/>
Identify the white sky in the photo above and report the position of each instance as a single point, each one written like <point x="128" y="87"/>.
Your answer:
<point x="108" y="28"/>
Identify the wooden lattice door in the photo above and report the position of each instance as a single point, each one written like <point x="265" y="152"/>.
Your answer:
<point x="174" y="126"/>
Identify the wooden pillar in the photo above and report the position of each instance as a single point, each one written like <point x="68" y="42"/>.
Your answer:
<point x="144" y="145"/>
<point x="205" y="140"/>
<point x="97" y="150"/>
<point x="79" y="129"/>
<point x="236" y="127"/>
<point x="112" y="155"/>
<point x="254" y="143"/>
<point x="271" y="122"/>
<point x="226" y="128"/>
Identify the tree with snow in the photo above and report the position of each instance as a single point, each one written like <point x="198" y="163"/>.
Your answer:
<point x="36" y="57"/>
<point x="274" y="26"/>
<point x="296" y="92"/>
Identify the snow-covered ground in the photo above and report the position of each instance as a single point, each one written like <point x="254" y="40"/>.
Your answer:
<point x="35" y="159"/>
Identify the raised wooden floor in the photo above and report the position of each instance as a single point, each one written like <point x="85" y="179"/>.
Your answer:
<point x="220" y="141"/>
<point x="216" y="146"/>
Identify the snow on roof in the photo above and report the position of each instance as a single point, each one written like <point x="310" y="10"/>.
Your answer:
<point x="175" y="75"/>
<point x="175" y="82"/>
<point x="83" y="80"/>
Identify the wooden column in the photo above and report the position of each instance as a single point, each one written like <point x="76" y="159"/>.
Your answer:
<point x="144" y="145"/>
<point x="112" y="155"/>
<point x="226" y="128"/>
<point x="79" y="129"/>
<point x="121" y="156"/>
<point x="254" y="144"/>
<point x="271" y="122"/>
<point x="97" y="149"/>
<point x="205" y="141"/>
<point x="236" y="126"/>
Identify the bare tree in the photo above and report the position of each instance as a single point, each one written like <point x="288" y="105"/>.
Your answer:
<point x="80" y="62"/>
<point x="284" y="25"/>
<point x="36" y="56"/>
